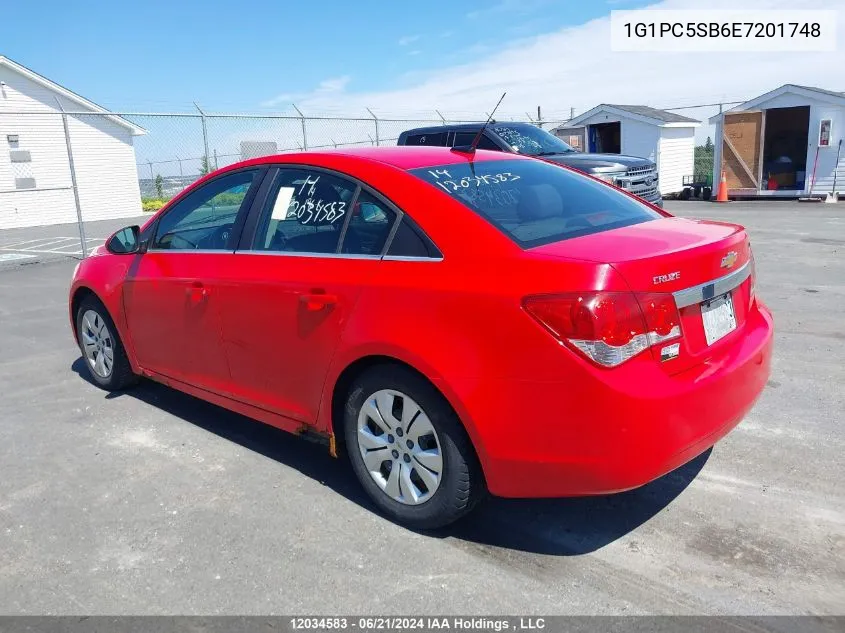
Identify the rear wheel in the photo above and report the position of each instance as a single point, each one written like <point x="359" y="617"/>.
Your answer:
<point x="409" y="450"/>
<point x="101" y="347"/>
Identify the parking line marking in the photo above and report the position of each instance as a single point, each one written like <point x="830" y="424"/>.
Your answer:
<point x="42" y="246"/>
<point x="32" y="250"/>
<point x="55" y="240"/>
<point x="7" y="257"/>
<point x="40" y="239"/>
<point x="71" y="245"/>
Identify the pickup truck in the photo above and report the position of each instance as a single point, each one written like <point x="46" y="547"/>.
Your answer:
<point x="633" y="174"/>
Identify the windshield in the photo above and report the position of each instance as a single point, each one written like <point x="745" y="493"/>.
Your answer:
<point x="535" y="202"/>
<point x="531" y="140"/>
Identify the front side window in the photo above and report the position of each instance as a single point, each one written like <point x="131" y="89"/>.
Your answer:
<point x="203" y="220"/>
<point x="535" y="202"/>
<point x="306" y="212"/>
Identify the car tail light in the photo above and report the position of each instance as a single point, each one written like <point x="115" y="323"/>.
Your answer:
<point x="607" y="327"/>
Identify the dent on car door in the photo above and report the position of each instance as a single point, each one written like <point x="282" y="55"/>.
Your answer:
<point x="317" y="241"/>
<point x="170" y="292"/>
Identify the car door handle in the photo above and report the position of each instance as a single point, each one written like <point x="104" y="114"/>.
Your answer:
<point x="196" y="291"/>
<point x="314" y="302"/>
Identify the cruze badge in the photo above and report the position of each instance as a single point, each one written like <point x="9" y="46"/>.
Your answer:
<point x="662" y="279"/>
<point x="728" y="260"/>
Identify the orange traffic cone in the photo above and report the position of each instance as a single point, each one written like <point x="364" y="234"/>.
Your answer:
<point x="722" y="195"/>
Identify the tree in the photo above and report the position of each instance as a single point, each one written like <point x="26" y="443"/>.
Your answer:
<point x="205" y="168"/>
<point x="708" y="145"/>
<point x="159" y="185"/>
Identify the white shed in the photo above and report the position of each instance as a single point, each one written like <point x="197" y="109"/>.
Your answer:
<point x="35" y="177"/>
<point x="784" y="143"/>
<point x="666" y="138"/>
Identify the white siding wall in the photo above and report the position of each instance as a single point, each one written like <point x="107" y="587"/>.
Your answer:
<point x="103" y="156"/>
<point x="105" y="168"/>
<point x="640" y="139"/>
<point x="827" y="155"/>
<point x="827" y="165"/>
<point x="672" y="149"/>
<point x="676" y="157"/>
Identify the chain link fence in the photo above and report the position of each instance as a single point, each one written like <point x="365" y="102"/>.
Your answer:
<point x="101" y="171"/>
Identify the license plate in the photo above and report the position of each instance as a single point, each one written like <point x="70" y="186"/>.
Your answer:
<point x="718" y="317"/>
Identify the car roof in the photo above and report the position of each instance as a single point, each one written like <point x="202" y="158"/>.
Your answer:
<point x="400" y="156"/>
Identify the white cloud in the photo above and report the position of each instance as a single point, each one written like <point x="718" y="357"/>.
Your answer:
<point x="414" y="52"/>
<point x="521" y="7"/>
<point x="408" y="39"/>
<point x="324" y="90"/>
<point x="575" y="68"/>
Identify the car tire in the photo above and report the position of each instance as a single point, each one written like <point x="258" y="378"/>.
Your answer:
<point x="102" y="350"/>
<point x="425" y="437"/>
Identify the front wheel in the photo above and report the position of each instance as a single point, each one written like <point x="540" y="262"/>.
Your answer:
<point x="409" y="450"/>
<point x="101" y="347"/>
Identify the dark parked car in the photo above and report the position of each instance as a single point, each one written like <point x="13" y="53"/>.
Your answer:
<point x="637" y="175"/>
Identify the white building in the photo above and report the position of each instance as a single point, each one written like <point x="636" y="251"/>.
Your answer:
<point x="35" y="177"/>
<point x="666" y="138"/>
<point x="784" y="143"/>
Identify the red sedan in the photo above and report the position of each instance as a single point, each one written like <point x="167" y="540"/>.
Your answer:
<point x="460" y="322"/>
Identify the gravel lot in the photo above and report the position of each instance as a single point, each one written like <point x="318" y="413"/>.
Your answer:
<point x="152" y="502"/>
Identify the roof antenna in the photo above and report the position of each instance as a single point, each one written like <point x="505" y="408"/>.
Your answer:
<point x="470" y="149"/>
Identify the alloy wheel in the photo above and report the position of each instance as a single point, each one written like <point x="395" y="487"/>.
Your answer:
<point x="400" y="447"/>
<point x="97" y="343"/>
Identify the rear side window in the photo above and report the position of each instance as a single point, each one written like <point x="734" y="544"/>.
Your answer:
<point x="535" y="202"/>
<point x="410" y="241"/>
<point x="466" y="138"/>
<point x="369" y="226"/>
<point x="430" y="138"/>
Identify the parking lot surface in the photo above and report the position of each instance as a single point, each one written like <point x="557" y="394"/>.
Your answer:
<point x="152" y="502"/>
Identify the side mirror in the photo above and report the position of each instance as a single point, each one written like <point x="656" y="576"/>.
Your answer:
<point x="125" y="241"/>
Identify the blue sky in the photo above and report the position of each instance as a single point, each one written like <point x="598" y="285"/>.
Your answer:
<point x="402" y="59"/>
<point x="246" y="55"/>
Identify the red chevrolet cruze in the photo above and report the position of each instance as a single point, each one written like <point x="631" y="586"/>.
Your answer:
<point x="460" y="322"/>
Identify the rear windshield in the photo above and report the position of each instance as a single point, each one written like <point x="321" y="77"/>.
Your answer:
<point x="535" y="202"/>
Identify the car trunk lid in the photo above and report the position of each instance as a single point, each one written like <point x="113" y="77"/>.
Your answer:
<point x="704" y="264"/>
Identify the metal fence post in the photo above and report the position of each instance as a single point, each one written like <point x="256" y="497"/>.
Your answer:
<point x="304" y="133"/>
<point x="375" y="118"/>
<point x="82" y="240"/>
<point x="204" y="135"/>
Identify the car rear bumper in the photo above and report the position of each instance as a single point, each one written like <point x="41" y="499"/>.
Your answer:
<point x="618" y="429"/>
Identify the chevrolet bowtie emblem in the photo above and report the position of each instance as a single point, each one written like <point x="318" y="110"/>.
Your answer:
<point x="728" y="260"/>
